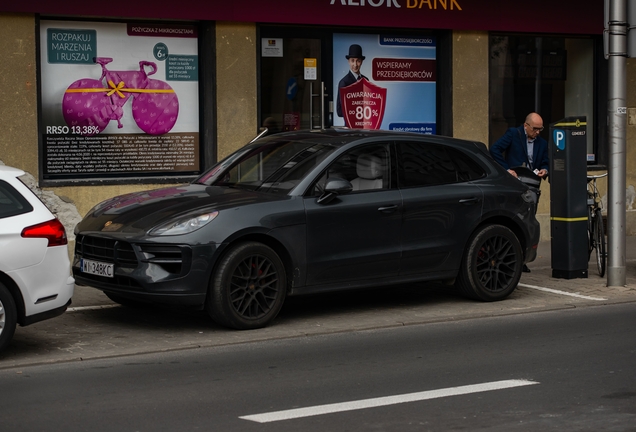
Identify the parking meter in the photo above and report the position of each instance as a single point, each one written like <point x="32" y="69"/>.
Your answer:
<point x="568" y="198"/>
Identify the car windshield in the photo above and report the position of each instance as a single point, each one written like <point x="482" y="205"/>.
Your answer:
<point x="275" y="166"/>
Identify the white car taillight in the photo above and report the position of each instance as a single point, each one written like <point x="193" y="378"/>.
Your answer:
<point x="52" y="230"/>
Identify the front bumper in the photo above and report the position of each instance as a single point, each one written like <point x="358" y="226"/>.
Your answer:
<point x="151" y="272"/>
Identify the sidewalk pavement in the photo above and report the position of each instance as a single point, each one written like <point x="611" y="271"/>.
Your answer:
<point x="94" y="327"/>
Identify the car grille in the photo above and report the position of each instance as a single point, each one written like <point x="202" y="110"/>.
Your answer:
<point x="103" y="249"/>
<point x="173" y="259"/>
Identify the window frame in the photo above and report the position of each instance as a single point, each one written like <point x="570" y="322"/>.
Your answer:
<point x="599" y="93"/>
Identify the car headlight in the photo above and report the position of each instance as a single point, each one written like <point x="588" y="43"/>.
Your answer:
<point x="185" y="224"/>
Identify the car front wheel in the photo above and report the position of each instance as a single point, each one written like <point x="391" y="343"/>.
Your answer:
<point x="8" y="317"/>
<point x="248" y="288"/>
<point x="491" y="266"/>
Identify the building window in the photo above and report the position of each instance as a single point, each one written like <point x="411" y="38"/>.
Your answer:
<point x="553" y="76"/>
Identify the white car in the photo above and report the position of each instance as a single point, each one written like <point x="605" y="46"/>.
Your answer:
<point x="35" y="271"/>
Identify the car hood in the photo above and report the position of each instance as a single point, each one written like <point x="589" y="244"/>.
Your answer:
<point x="141" y="211"/>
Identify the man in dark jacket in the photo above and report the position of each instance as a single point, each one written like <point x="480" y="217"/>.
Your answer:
<point x="523" y="146"/>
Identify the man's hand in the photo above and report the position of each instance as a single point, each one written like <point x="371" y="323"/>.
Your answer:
<point x="542" y="173"/>
<point x="514" y="174"/>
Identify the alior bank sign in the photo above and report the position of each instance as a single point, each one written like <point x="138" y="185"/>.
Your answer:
<point x="547" y="16"/>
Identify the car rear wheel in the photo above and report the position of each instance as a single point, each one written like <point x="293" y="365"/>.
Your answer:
<point x="491" y="266"/>
<point x="8" y="317"/>
<point x="248" y="288"/>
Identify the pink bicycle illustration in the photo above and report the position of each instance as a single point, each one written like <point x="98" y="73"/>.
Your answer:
<point x="89" y="104"/>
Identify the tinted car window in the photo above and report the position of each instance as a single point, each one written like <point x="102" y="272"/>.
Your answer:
<point x="11" y="202"/>
<point x="275" y="167"/>
<point x="425" y="164"/>
<point x="467" y="168"/>
<point x="367" y="168"/>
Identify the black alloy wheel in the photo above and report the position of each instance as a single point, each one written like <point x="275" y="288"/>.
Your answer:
<point x="492" y="264"/>
<point x="248" y="288"/>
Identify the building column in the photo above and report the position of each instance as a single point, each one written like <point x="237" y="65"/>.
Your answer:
<point x="470" y="85"/>
<point x="236" y="85"/>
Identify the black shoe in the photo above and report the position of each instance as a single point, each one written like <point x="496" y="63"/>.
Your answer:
<point x="526" y="269"/>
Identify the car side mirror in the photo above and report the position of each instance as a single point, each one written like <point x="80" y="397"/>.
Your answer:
<point x="335" y="186"/>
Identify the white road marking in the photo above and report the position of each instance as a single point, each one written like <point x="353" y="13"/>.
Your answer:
<point x="565" y="293"/>
<point x="83" y="308"/>
<point x="384" y="401"/>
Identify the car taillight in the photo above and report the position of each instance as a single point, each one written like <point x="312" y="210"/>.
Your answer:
<point x="52" y="230"/>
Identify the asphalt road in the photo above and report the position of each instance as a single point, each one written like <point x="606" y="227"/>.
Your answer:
<point x="94" y="327"/>
<point x="560" y="370"/>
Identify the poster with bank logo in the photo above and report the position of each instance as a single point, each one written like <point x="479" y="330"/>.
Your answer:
<point x="118" y="99"/>
<point x="384" y="82"/>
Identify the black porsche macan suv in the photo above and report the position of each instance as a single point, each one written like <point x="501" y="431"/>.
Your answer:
<point x="314" y="211"/>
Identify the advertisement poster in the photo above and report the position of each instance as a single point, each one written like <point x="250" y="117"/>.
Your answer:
<point x="385" y="82"/>
<point x="118" y="99"/>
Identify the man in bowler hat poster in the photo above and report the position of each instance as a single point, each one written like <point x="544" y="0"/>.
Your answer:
<point x="399" y="85"/>
<point x="355" y="59"/>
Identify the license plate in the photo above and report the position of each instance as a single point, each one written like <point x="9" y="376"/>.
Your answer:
<point x="97" y="268"/>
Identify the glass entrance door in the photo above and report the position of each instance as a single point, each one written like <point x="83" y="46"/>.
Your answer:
<point x="292" y="88"/>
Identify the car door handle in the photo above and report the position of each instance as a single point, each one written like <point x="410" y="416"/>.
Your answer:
<point x="388" y="209"/>
<point x="469" y="201"/>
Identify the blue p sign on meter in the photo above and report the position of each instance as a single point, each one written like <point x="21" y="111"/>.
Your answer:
<point x="558" y="136"/>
